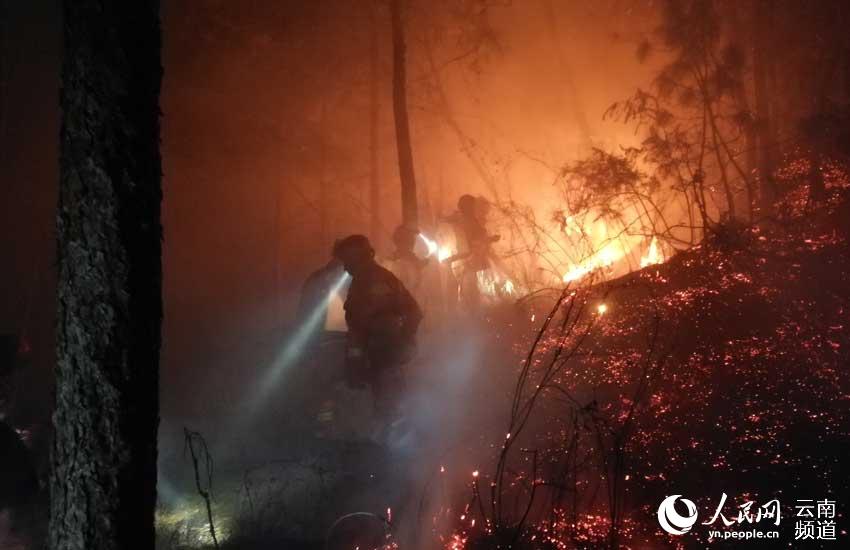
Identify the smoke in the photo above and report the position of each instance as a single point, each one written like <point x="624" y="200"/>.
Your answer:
<point x="295" y="347"/>
<point x="283" y="169"/>
<point x="270" y="449"/>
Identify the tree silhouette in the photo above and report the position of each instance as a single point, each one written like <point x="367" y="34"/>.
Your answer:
<point x="103" y="478"/>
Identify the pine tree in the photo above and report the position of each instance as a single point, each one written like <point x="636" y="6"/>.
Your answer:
<point x="103" y="478"/>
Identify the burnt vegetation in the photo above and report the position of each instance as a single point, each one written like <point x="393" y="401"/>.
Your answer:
<point x="664" y="310"/>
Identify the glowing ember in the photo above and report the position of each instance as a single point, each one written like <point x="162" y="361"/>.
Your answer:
<point x="601" y="309"/>
<point x="457" y="542"/>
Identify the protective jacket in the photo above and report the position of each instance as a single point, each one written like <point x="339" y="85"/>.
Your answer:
<point x="382" y="317"/>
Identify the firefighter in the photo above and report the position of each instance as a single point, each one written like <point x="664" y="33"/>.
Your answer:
<point x="382" y="318"/>
<point x="474" y="248"/>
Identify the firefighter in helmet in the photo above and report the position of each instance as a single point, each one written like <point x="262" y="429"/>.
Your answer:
<point x="382" y="318"/>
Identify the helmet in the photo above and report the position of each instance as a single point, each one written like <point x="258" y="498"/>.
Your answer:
<point x="358" y="244"/>
<point x="353" y="251"/>
<point x="466" y="205"/>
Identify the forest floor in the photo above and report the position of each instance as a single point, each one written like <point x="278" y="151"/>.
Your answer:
<point x="747" y="394"/>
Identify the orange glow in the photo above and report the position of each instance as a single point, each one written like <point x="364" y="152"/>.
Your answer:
<point x="653" y="256"/>
<point x="605" y="256"/>
<point x="434" y="247"/>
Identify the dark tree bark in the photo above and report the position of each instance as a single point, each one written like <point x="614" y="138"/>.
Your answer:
<point x="409" y="209"/>
<point x="103" y="477"/>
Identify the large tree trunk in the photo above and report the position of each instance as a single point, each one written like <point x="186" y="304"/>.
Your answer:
<point x="103" y="478"/>
<point x="409" y="209"/>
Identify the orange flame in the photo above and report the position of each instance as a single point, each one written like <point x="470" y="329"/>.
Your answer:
<point x="653" y="256"/>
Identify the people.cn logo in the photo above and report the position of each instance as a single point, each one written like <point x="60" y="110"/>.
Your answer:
<point x="671" y="521"/>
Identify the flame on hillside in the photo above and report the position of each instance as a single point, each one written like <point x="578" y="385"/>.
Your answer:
<point x="606" y="248"/>
<point x="654" y="255"/>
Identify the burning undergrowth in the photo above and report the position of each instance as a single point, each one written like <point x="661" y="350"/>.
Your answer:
<point x="562" y="421"/>
<point x="720" y="371"/>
